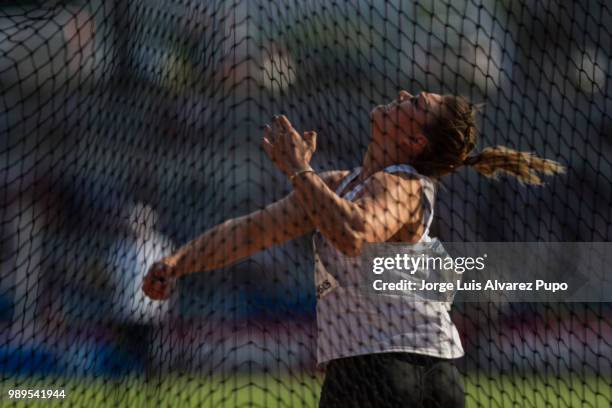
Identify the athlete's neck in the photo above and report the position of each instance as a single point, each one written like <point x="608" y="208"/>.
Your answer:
<point x="377" y="158"/>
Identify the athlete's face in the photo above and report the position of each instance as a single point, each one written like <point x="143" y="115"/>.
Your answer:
<point x="404" y="119"/>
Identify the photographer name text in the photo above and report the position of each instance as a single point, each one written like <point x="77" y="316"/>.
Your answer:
<point x="490" y="285"/>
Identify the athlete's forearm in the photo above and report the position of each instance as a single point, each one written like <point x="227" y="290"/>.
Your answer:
<point x="217" y="247"/>
<point x="241" y="237"/>
<point x="337" y="219"/>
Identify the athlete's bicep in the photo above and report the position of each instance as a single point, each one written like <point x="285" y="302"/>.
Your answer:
<point x="389" y="202"/>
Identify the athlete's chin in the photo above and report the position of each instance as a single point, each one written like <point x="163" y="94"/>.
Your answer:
<point x="373" y="113"/>
<point x="376" y="114"/>
<point x="375" y="121"/>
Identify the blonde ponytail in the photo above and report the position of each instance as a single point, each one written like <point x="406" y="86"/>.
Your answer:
<point x="523" y="165"/>
<point x="453" y="136"/>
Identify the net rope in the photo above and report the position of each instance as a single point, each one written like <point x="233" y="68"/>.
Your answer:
<point x="128" y="128"/>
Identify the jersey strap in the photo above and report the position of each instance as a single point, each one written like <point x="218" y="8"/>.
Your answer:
<point x="428" y="188"/>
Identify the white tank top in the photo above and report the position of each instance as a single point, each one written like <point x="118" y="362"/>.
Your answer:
<point x="351" y="322"/>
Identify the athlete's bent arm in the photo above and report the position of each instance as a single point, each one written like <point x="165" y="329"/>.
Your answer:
<point x="389" y="201"/>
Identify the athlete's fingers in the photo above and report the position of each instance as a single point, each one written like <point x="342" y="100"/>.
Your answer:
<point x="268" y="132"/>
<point x="284" y="122"/>
<point x="157" y="289"/>
<point x="158" y="273"/>
<point x="150" y="285"/>
<point x="161" y="269"/>
<point x="158" y="294"/>
<point x="268" y="147"/>
<point x="403" y="95"/>
<point x="285" y="130"/>
<point x="163" y="292"/>
<point x="311" y="138"/>
<point x="277" y="129"/>
<point x="151" y="291"/>
<point x="159" y="284"/>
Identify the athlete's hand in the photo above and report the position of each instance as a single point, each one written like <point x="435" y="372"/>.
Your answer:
<point x="289" y="150"/>
<point x="159" y="281"/>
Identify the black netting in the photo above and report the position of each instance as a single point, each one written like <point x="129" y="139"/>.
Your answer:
<point x="128" y="128"/>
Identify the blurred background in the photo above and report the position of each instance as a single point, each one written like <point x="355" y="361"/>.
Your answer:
<point x="127" y="128"/>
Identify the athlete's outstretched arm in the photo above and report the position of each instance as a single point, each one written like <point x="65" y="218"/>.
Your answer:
<point x="234" y="240"/>
<point x="241" y="237"/>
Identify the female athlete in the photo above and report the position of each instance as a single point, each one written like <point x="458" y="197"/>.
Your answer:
<point x="379" y="351"/>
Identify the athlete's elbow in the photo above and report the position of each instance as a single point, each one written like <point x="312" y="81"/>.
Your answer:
<point x="351" y="243"/>
<point x="352" y="250"/>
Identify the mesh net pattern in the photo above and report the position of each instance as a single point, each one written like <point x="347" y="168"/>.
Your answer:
<point x="128" y="128"/>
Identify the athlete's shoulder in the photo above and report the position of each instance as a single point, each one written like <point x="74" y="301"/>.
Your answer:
<point x="387" y="178"/>
<point x="403" y="172"/>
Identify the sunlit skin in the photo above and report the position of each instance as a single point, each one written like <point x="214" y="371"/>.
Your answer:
<point x="388" y="208"/>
